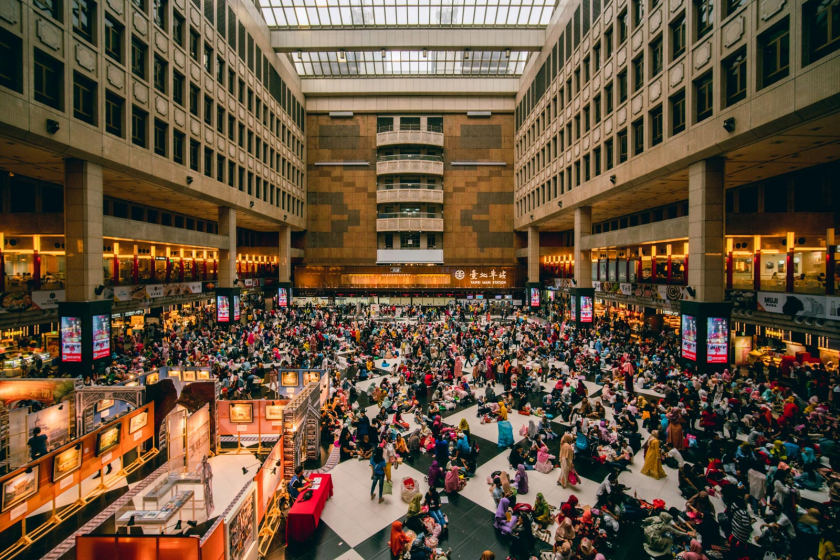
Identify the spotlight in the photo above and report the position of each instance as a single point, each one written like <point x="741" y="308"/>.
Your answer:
<point x="78" y="446"/>
<point x="99" y="289"/>
<point x="130" y="522"/>
<point x="729" y="124"/>
<point x="273" y="471"/>
<point x="252" y="204"/>
<point x="178" y="525"/>
<point x="244" y="470"/>
<point x="560" y="204"/>
<point x="277" y="464"/>
<point x="29" y="470"/>
<point x="189" y="179"/>
<point x="532" y="216"/>
<point x="53" y="126"/>
<point x="192" y="523"/>
<point x="61" y="407"/>
<point x="612" y="179"/>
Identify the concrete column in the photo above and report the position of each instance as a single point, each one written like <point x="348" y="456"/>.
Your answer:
<point x="706" y="243"/>
<point x="533" y="254"/>
<point x="83" y="229"/>
<point x="285" y="259"/>
<point x="583" y="259"/>
<point x="227" y="254"/>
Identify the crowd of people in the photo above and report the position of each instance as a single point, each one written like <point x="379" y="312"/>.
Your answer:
<point x="751" y="437"/>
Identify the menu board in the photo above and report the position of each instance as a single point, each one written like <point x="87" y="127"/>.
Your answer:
<point x="585" y="309"/>
<point x="71" y="339"/>
<point x="689" y="337"/>
<point x="535" y="297"/>
<point x="101" y="336"/>
<point x="717" y="340"/>
<point x="573" y="307"/>
<point x="282" y="297"/>
<point x="222" y="309"/>
<point x="235" y="308"/>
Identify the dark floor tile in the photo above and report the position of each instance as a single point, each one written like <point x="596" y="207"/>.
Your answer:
<point x="325" y="544"/>
<point x="374" y="544"/>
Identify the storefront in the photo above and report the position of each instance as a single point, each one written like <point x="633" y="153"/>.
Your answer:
<point x="25" y="345"/>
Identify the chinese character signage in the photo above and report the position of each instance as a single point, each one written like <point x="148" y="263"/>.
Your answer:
<point x="585" y="309"/>
<point x="101" y="336"/>
<point x="71" y="339"/>
<point x="222" y="309"/>
<point x="535" y="297"/>
<point x="689" y="337"/>
<point x="425" y="277"/>
<point x="717" y="340"/>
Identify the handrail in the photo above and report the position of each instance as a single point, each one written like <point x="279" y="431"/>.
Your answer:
<point x="436" y="215"/>
<point x="412" y="157"/>
<point x="411" y="186"/>
<point x="410" y="128"/>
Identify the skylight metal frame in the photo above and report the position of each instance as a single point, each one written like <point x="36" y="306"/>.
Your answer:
<point x="378" y="14"/>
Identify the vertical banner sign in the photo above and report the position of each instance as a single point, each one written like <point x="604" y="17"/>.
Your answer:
<point x="222" y="309"/>
<point x="689" y="337"/>
<point x="585" y="309"/>
<point x="573" y="307"/>
<point x="235" y="308"/>
<point x="101" y="336"/>
<point x="71" y="339"/>
<point x="282" y="297"/>
<point x="535" y="297"/>
<point x="717" y="340"/>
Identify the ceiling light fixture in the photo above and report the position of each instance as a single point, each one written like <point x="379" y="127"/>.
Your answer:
<point x="298" y="54"/>
<point x="425" y="52"/>
<point x="382" y="52"/>
<point x="342" y="56"/>
<point x="507" y="53"/>
<point x="466" y="54"/>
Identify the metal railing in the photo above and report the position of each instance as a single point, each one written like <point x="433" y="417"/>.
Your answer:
<point x="410" y="128"/>
<point x="400" y="186"/>
<point x="410" y="157"/>
<point x="433" y="215"/>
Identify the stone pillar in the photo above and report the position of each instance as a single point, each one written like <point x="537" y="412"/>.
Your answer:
<point x="83" y="229"/>
<point x="227" y="254"/>
<point x="583" y="259"/>
<point x="533" y="254"/>
<point x="284" y="267"/>
<point x="706" y="242"/>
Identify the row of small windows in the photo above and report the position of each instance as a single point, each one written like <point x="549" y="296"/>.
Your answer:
<point x="821" y="36"/>
<point x="773" y="57"/>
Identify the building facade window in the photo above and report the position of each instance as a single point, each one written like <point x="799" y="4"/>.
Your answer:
<point x="638" y="137"/>
<point x="656" y="133"/>
<point x="161" y="74"/>
<point x="138" y="58"/>
<point x="705" y="12"/>
<point x="677" y="38"/>
<point x="113" y="40"/>
<point x="821" y="29"/>
<point x="774" y="49"/>
<point x="678" y="112"/>
<point x="735" y="69"/>
<point x="48" y="80"/>
<point x="195" y="154"/>
<point x="178" y="141"/>
<point x="84" y="99"/>
<point x="161" y="134"/>
<point x="656" y="60"/>
<point x="622" y="146"/>
<point x="114" y="114"/>
<point x="704" y="97"/>
<point x="139" y="124"/>
<point x="84" y="18"/>
<point x="11" y="61"/>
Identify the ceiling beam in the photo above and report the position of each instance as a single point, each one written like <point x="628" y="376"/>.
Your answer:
<point x="409" y="104"/>
<point x="409" y="86"/>
<point x="366" y="39"/>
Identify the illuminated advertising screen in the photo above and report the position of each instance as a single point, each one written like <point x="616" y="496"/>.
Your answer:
<point x="585" y="309"/>
<point x="222" y="309"/>
<point x="71" y="339"/>
<point x="535" y="297"/>
<point x="282" y="297"/>
<point x="717" y="340"/>
<point x="101" y="336"/>
<point x="573" y="307"/>
<point x="689" y="337"/>
<point x="235" y="308"/>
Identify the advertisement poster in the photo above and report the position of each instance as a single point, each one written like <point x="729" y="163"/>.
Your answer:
<point x="198" y="437"/>
<point x="222" y="309"/>
<point x="235" y="308"/>
<point x="145" y="292"/>
<point x="717" y="341"/>
<point x="573" y="307"/>
<point x="71" y="339"/>
<point x="689" y="337"/>
<point x="47" y="391"/>
<point x="282" y="297"/>
<point x="743" y="346"/>
<point x="54" y="423"/>
<point x="585" y="309"/>
<point x="17" y="302"/>
<point x="101" y="336"/>
<point x="241" y="529"/>
<point x="535" y="297"/>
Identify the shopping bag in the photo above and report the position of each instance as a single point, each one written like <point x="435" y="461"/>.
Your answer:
<point x="388" y="488"/>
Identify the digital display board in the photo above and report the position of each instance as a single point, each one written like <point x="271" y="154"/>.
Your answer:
<point x="585" y="309"/>
<point x="235" y="308"/>
<point x="222" y="309"/>
<point x="71" y="339"/>
<point x="101" y="336"/>
<point x="573" y="307"/>
<point x="688" y="328"/>
<point x="535" y="297"/>
<point x="717" y="340"/>
<point x="282" y="297"/>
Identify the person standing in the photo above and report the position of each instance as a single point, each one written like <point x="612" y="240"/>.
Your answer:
<point x="567" y="457"/>
<point x="37" y="444"/>
<point x="653" y="459"/>
<point x="377" y="468"/>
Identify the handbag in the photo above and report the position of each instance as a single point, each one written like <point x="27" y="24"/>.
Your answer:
<point x="573" y="478"/>
<point x="388" y="488"/>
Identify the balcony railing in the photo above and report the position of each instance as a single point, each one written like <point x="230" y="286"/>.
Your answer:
<point x="409" y="222"/>
<point x="431" y="196"/>
<point x="434" y="215"/>
<point x="410" y="157"/>
<point x="406" y="186"/>
<point x="410" y="128"/>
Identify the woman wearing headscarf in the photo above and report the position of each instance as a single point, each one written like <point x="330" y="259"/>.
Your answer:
<point x="567" y="457"/>
<point x="568" y="509"/>
<point x="565" y="531"/>
<point x="675" y="430"/>
<point x="523" y="537"/>
<point x="586" y="550"/>
<point x="700" y="503"/>
<point x="653" y="460"/>
<point x="414" y="517"/>
<point x="544" y="464"/>
<point x="542" y="511"/>
<point x="520" y="481"/>
<point x="399" y="540"/>
<point x="507" y="489"/>
<point x="503" y="413"/>
<point x="453" y="481"/>
<point x="435" y="475"/>
<point x="694" y="552"/>
<point x="501" y="521"/>
<point x="465" y="428"/>
<point x="488" y="555"/>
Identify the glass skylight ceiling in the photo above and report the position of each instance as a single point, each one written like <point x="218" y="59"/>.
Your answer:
<point x="409" y="63"/>
<point x="406" y="13"/>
